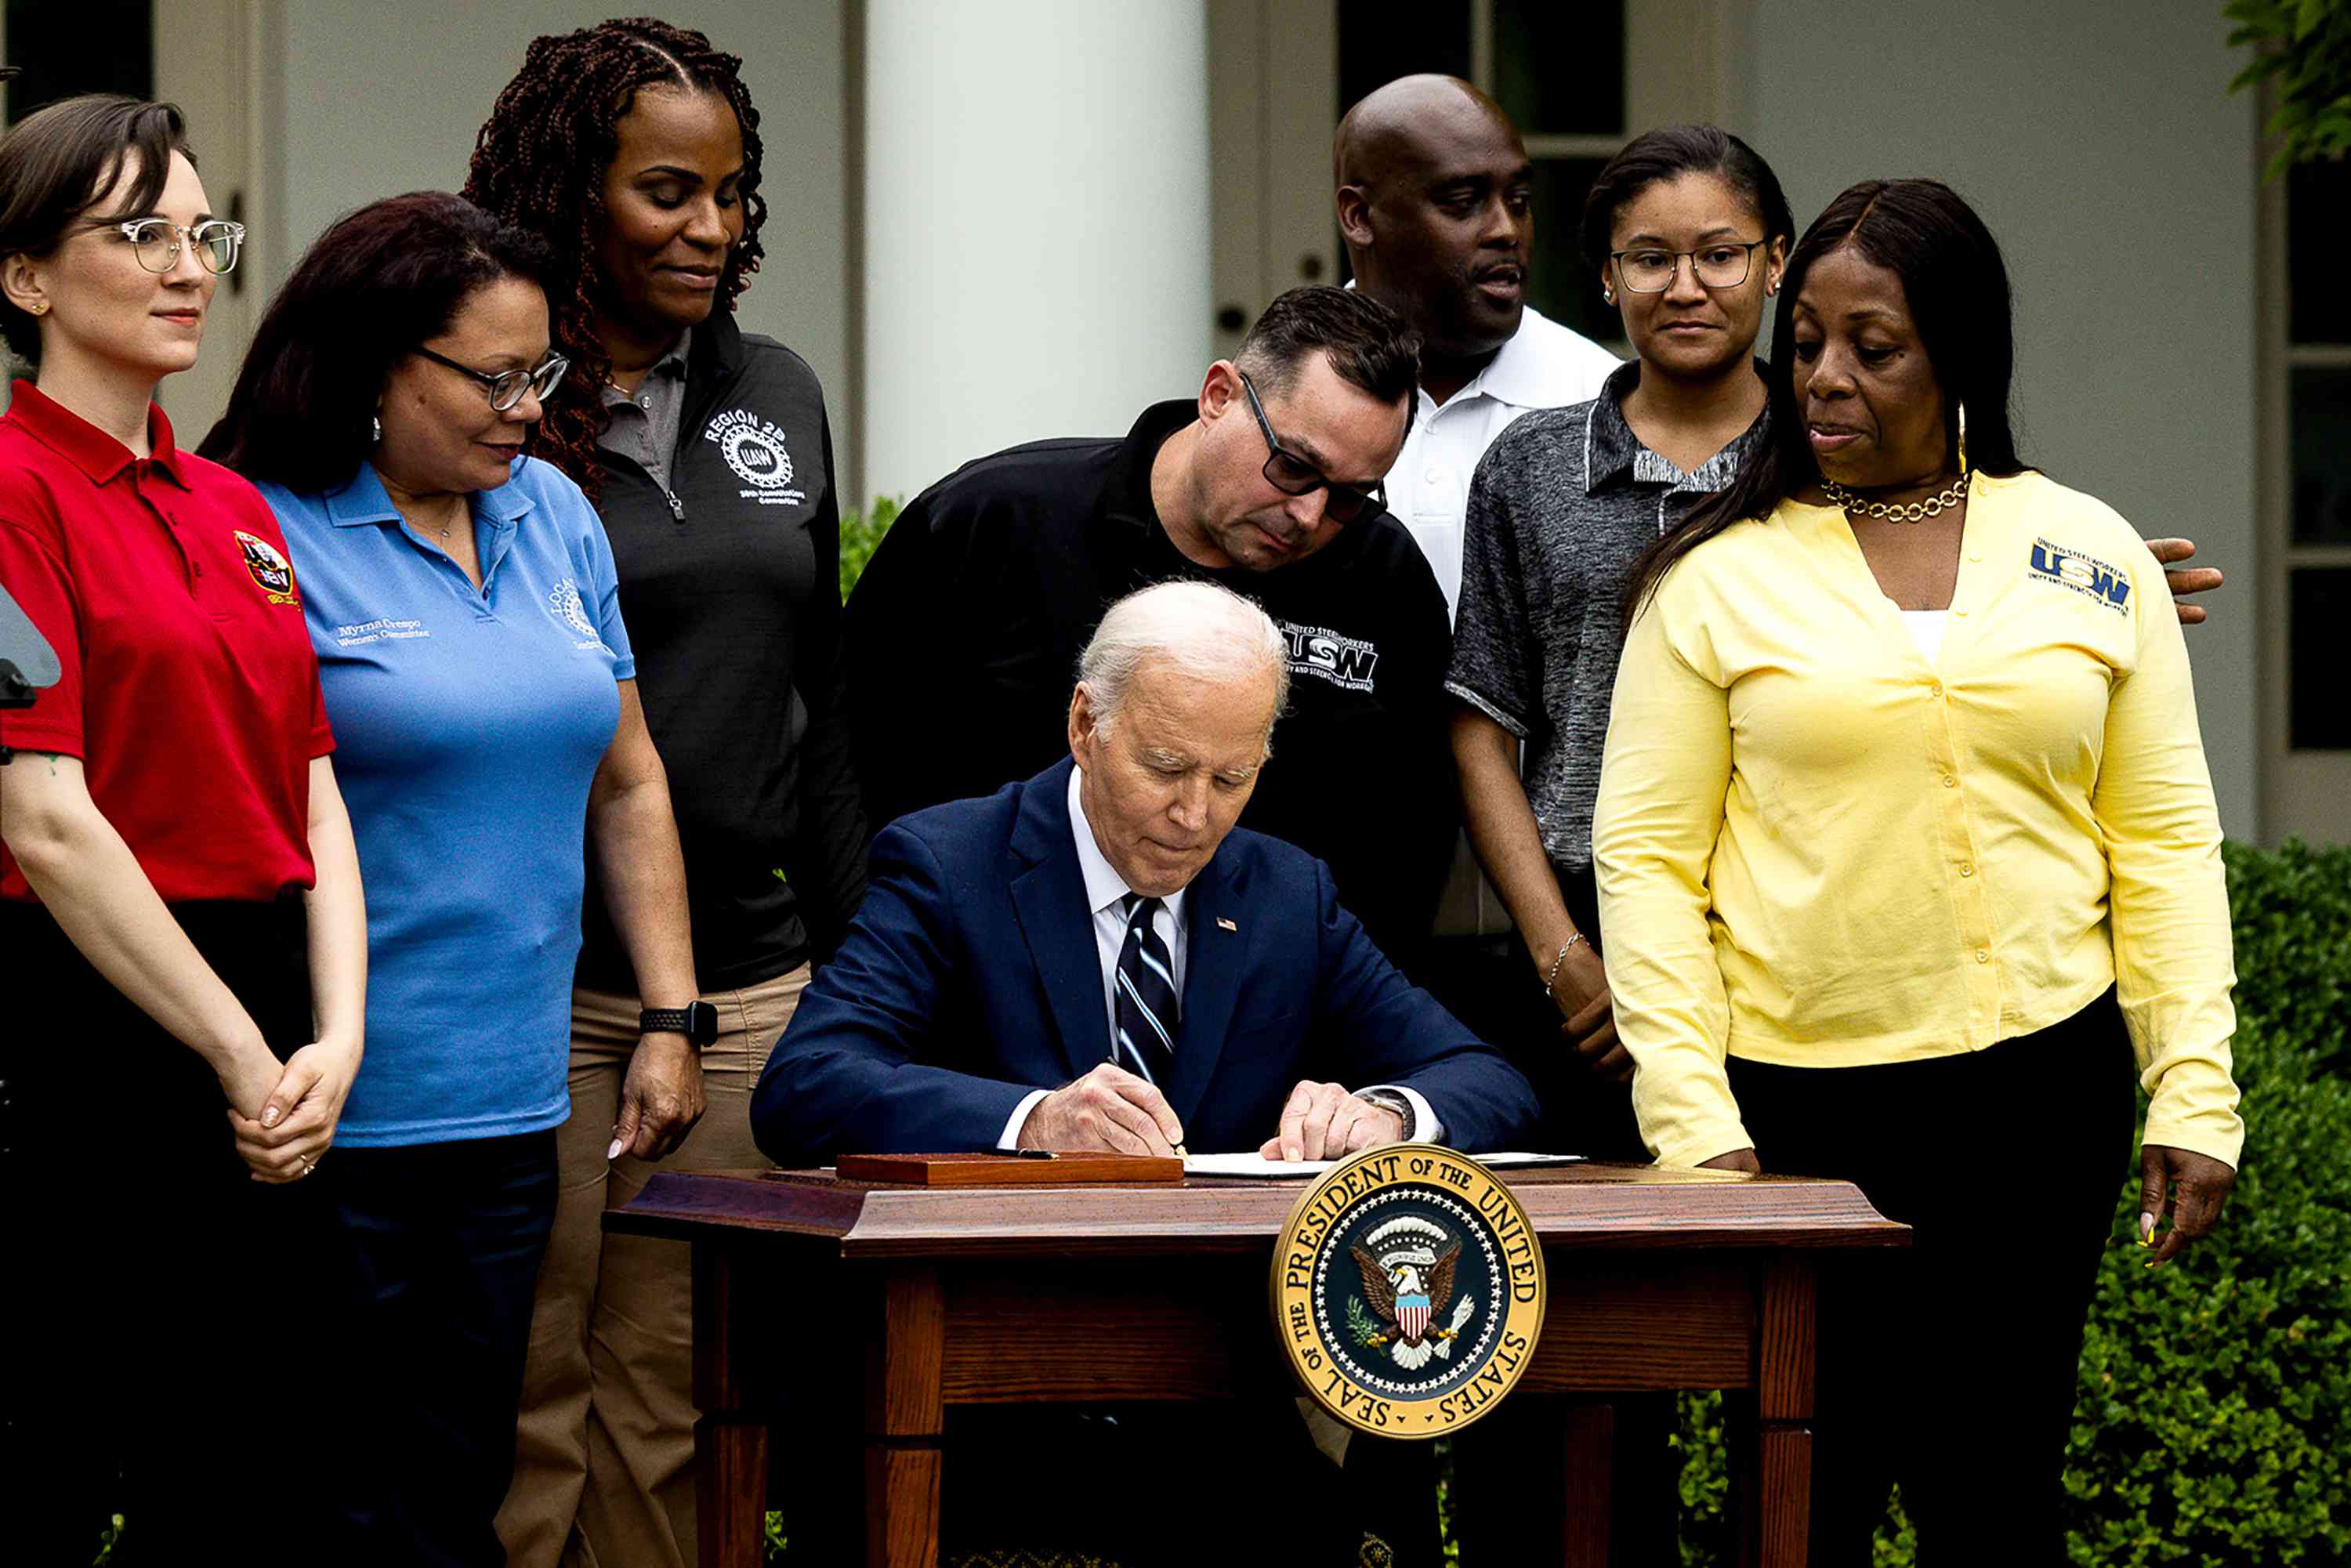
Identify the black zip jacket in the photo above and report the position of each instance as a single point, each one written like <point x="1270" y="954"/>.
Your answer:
<point x="965" y="631"/>
<point x="730" y="586"/>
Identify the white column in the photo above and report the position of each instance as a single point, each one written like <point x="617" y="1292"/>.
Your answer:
<point x="1036" y="214"/>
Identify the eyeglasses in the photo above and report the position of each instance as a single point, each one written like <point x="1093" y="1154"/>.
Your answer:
<point x="1721" y="266"/>
<point x="156" y="242"/>
<point x="1293" y="476"/>
<point x="506" y="388"/>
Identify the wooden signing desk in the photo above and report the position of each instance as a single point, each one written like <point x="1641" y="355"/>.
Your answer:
<point x="851" y="1316"/>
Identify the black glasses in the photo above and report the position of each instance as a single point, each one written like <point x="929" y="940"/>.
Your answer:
<point x="1293" y="476"/>
<point x="506" y="388"/>
<point x="1722" y="264"/>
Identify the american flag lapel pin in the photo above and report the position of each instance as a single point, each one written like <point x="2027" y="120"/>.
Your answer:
<point x="1225" y="924"/>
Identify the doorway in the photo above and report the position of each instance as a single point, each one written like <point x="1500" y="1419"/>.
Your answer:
<point x="1579" y="79"/>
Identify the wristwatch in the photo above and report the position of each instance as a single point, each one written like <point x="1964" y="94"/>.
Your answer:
<point x="698" y="1021"/>
<point x="1389" y="1099"/>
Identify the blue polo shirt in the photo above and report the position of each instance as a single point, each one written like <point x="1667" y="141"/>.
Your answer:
<point x="468" y="727"/>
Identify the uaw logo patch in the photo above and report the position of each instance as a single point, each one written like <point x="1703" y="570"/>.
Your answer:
<point x="1408" y="1290"/>
<point x="1346" y="662"/>
<point x="269" y="569"/>
<point x="754" y="448"/>
<point x="2085" y="575"/>
<point x="564" y="603"/>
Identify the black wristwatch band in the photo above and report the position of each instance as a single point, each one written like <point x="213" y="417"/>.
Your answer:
<point x="698" y="1021"/>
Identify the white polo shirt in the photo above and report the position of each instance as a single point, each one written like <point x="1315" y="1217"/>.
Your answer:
<point x="1543" y="365"/>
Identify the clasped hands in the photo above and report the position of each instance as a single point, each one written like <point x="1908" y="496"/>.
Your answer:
<point x="1114" y="1110"/>
<point x="284" y="1115"/>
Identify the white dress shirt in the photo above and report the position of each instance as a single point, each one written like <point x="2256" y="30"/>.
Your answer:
<point x="1106" y="897"/>
<point x="1543" y="365"/>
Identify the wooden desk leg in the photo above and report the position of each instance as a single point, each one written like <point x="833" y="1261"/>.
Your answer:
<point x="903" y="1416"/>
<point x="730" y="1442"/>
<point x="1584" y="1483"/>
<point x="1776" y="1509"/>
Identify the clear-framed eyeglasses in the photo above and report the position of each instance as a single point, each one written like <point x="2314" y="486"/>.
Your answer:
<point x="1722" y="264"/>
<point x="156" y="242"/>
<point x="506" y="388"/>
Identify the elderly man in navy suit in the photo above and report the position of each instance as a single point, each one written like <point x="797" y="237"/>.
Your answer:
<point x="1096" y="959"/>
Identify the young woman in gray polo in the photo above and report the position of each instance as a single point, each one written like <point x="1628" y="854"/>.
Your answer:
<point x="1689" y="231"/>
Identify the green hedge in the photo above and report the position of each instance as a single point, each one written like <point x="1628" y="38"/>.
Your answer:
<point x="860" y="532"/>
<point x="2214" y="1421"/>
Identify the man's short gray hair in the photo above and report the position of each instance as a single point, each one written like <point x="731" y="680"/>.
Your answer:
<point x="1207" y="632"/>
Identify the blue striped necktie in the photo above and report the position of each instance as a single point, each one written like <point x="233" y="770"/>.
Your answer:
<point x="1147" y="1007"/>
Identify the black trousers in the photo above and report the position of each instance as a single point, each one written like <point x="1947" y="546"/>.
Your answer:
<point x="170" y="1325"/>
<point x="447" y="1239"/>
<point x="1952" y="1369"/>
<point x="1488" y="984"/>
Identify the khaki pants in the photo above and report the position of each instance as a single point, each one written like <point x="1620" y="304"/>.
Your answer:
<point x="604" y="1451"/>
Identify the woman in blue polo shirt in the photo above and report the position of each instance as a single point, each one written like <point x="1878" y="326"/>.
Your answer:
<point x="462" y="600"/>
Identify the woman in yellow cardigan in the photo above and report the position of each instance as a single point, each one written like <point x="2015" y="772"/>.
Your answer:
<point x="1908" y="863"/>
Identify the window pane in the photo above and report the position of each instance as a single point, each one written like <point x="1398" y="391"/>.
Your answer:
<point x="2318" y="713"/>
<point x="1561" y="286"/>
<point x="93" y="46"/>
<point x="1380" y="40"/>
<point x="2321" y="401"/>
<point x="2317" y="195"/>
<point x="1560" y="69"/>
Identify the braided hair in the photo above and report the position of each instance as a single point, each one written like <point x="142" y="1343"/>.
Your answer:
<point x="540" y="163"/>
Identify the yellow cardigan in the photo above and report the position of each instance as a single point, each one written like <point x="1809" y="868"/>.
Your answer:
<point x="1815" y="848"/>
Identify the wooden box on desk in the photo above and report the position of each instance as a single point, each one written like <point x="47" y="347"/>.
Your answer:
<point x="1038" y="1169"/>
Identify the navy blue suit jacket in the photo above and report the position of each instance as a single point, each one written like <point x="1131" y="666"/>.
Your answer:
<point x="971" y="977"/>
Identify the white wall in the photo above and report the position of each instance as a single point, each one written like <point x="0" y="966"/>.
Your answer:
<point x="2101" y="145"/>
<point x="1037" y="223"/>
<point x="384" y="96"/>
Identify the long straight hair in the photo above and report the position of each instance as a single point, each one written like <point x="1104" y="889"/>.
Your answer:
<point x="1956" y="285"/>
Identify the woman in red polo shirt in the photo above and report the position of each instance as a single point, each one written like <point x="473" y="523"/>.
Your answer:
<point x="180" y="926"/>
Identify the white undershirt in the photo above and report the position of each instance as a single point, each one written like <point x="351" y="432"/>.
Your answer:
<point x="1927" y="629"/>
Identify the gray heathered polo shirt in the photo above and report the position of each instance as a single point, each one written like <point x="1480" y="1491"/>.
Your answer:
<point x="644" y="428"/>
<point x="1562" y="507"/>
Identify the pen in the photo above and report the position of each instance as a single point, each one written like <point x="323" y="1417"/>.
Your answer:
<point x="1034" y="1155"/>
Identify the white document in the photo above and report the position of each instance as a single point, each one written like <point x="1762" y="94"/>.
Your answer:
<point x="1251" y="1165"/>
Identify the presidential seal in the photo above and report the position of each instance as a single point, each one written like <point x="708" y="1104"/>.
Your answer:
<point x="1408" y="1290"/>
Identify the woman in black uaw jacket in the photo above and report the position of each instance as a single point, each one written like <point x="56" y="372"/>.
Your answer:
<point x="707" y="452"/>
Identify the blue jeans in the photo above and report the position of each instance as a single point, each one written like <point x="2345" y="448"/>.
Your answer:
<point x="448" y="1238"/>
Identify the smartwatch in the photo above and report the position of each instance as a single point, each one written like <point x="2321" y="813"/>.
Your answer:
<point x="698" y="1021"/>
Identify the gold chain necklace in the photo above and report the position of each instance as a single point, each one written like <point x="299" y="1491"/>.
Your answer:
<point x="1902" y="512"/>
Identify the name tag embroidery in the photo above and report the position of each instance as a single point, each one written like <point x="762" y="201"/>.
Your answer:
<point x="2085" y="575"/>
<point x="384" y="629"/>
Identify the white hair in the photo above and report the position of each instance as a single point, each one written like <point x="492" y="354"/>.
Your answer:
<point x="1206" y="631"/>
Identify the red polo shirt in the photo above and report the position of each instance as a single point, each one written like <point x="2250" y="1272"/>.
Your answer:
<point x="189" y="691"/>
